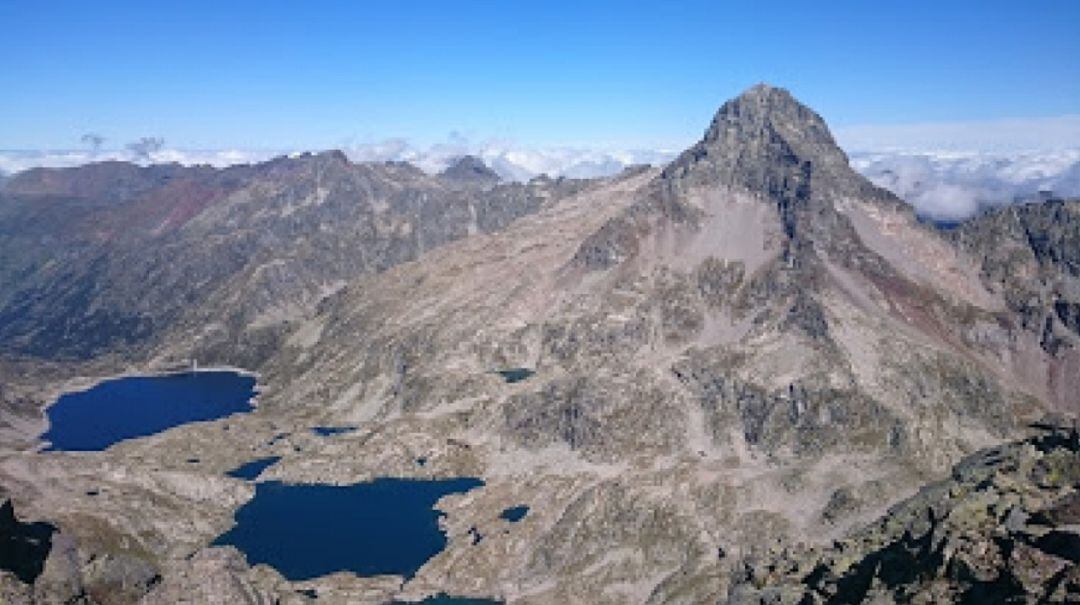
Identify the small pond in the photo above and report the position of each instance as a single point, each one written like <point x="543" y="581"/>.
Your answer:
<point x="386" y="526"/>
<point x="515" y="513"/>
<point x="330" y="431"/>
<point x="251" y="470"/>
<point x="137" y="406"/>
<point x="513" y="375"/>
<point x="444" y="599"/>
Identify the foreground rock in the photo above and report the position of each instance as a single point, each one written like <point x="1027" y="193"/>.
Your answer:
<point x="1004" y="528"/>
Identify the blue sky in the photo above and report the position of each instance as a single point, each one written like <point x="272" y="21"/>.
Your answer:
<point x="316" y="74"/>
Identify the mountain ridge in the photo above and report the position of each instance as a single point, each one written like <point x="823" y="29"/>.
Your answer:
<point x="164" y="207"/>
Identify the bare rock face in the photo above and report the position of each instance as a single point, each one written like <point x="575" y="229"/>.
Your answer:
<point x="218" y="575"/>
<point x="1031" y="253"/>
<point x="767" y="141"/>
<point x="716" y="361"/>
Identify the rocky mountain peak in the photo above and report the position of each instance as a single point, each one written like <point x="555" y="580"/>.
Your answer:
<point x="470" y="168"/>
<point x="763" y="143"/>
<point x="764" y="111"/>
<point x="335" y="155"/>
<point x="322" y="158"/>
<point x="764" y="140"/>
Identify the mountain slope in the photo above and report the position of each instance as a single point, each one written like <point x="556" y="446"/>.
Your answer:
<point x="749" y="265"/>
<point x="1031" y="254"/>
<point x="753" y="313"/>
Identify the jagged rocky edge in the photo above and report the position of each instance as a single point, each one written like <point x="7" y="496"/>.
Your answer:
<point x="1003" y="528"/>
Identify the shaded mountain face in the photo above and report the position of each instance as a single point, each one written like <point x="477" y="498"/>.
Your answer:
<point x="1032" y="252"/>
<point x="1031" y="255"/>
<point x="752" y="345"/>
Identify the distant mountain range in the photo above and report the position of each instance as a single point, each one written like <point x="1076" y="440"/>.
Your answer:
<point x="945" y="185"/>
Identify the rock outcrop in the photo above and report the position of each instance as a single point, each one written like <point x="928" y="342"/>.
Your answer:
<point x="1031" y="253"/>
<point x="1003" y="528"/>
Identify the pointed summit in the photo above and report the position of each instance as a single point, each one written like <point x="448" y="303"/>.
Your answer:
<point x="763" y="140"/>
<point x="469" y="168"/>
<point x="765" y="109"/>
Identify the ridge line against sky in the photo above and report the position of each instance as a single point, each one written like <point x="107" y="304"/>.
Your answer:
<point x="281" y="75"/>
<point x="1001" y="135"/>
<point x="943" y="185"/>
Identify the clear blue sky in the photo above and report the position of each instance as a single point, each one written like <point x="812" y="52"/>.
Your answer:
<point x="314" y="74"/>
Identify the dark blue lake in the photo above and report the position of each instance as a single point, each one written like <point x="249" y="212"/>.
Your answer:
<point x="251" y="470"/>
<point x="125" y="408"/>
<point x="330" y="431"/>
<point x="515" y="513"/>
<point x="444" y="599"/>
<point x="386" y="526"/>
<point x="513" y="375"/>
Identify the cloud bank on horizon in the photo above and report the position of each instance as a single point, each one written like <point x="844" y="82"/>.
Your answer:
<point x="948" y="172"/>
<point x="951" y="186"/>
<point x="510" y="161"/>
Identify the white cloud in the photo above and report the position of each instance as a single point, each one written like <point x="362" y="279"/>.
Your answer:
<point x="16" y="161"/>
<point x="509" y="160"/>
<point x="954" y="185"/>
<point x="943" y="184"/>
